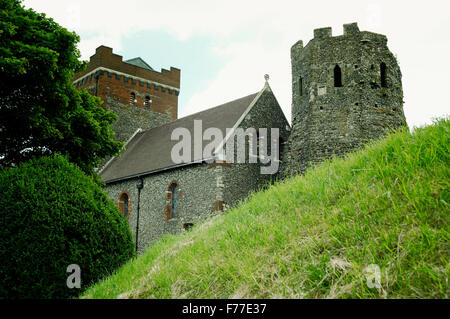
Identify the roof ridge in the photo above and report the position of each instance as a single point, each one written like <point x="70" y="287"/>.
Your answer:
<point x="200" y="112"/>
<point x="223" y="104"/>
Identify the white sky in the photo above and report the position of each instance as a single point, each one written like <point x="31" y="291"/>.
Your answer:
<point x="254" y="38"/>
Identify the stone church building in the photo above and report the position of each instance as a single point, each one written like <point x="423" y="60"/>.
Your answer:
<point x="346" y="90"/>
<point x="156" y="195"/>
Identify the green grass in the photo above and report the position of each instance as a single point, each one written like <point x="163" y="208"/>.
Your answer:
<point x="314" y="236"/>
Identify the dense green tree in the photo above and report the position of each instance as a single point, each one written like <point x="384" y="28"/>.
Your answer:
<point x="41" y="112"/>
<point x="53" y="216"/>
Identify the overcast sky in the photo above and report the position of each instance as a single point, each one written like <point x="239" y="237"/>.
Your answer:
<point x="224" y="48"/>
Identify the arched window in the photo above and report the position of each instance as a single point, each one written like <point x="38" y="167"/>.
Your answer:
<point x="132" y="98"/>
<point x="174" y="197"/>
<point x="383" y="75"/>
<point x="337" y="76"/>
<point x="124" y="204"/>
<point x="147" y="102"/>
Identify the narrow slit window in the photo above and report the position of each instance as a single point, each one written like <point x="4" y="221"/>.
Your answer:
<point x="147" y="102"/>
<point x="132" y="98"/>
<point x="383" y="70"/>
<point x="174" y="210"/>
<point x="337" y="76"/>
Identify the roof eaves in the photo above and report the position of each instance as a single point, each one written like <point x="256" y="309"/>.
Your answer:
<point x="159" y="170"/>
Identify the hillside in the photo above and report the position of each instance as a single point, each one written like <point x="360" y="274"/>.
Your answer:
<point x="319" y="235"/>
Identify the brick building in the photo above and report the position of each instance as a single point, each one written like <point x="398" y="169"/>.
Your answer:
<point x="140" y="96"/>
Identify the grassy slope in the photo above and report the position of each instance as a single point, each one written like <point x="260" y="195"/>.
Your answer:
<point x="314" y="236"/>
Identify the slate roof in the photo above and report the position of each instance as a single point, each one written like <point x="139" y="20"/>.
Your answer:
<point x="139" y="62"/>
<point x="150" y="151"/>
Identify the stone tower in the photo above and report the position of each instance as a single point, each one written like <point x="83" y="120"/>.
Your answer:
<point x="140" y="96"/>
<point x="345" y="90"/>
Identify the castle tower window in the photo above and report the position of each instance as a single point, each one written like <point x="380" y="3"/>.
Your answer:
<point x="147" y="102"/>
<point x="383" y="75"/>
<point x="337" y="76"/>
<point x="174" y="208"/>
<point x="132" y="98"/>
<point x="124" y="204"/>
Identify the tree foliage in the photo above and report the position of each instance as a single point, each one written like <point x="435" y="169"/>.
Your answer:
<point x="53" y="216"/>
<point x="41" y="112"/>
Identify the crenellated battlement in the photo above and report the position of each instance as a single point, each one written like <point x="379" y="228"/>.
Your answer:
<point x="126" y="78"/>
<point x="296" y="48"/>
<point x="105" y="60"/>
<point x="350" y="30"/>
<point x="322" y="33"/>
<point x="327" y="32"/>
